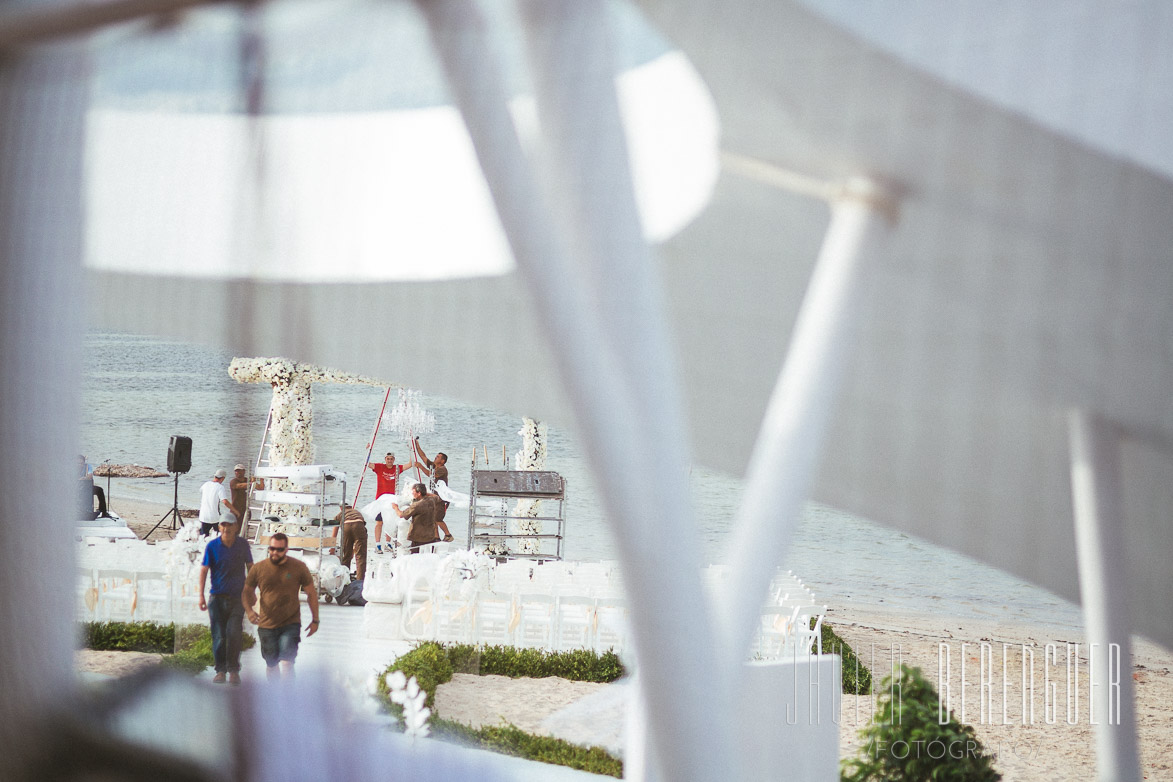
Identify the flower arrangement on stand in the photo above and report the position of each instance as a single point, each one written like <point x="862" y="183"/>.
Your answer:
<point x="182" y="557"/>
<point x="462" y="573"/>
<point x="184" y="553"/>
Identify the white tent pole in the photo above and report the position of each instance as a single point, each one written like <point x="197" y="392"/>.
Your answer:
<point x="42" y="102"/>
<point x="786" y="454"/>
<point x="1103" y="586"/>
<point x="588" y="271"/>
<point x="588" y="182"/>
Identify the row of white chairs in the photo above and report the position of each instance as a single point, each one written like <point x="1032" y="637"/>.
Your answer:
<point x="125" y="595"/>
<point x="791" y="622"/>
<point x="597" y="579"/>
<point x="523" y="619"/>
<point x="558" y="605"/>
<point x="122" y="554"/>
<point x="792" y="628"/>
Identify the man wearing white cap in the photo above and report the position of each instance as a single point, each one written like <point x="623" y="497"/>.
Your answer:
<point x="239" y="486"/>
<point x="215" y="502"/>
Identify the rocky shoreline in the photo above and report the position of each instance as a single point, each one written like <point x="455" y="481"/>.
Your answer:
<point x="127" y="471"/>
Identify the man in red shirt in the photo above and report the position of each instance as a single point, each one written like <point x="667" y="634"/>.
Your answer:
<point x="386" y="475"/>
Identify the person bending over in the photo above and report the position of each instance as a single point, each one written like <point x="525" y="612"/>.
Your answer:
<point x="422" y="513"/>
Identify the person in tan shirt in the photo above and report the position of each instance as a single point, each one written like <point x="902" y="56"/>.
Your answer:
<point x="281" y="580"/>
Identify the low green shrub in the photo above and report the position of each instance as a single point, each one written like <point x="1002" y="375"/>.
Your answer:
<point x="194" y="651"/>
<point x="433" y="664"/>
<point x="898" y="742"/>
<point x="580" y="665"/>
<point x="187" y="648"/>
<point x="428" y="663"/>
<point x="510" y="740"/>
<point x="857" y="679"/>
<point x="128" y="637"/>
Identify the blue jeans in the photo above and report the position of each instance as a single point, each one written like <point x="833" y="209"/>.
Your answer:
<point x="226" y="614"/>
<point x="279" y="643"/>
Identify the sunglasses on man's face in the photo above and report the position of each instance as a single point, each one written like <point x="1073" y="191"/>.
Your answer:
<point x="278" y="550"/>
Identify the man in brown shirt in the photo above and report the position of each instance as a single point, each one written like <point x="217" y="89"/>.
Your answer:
<point x="422" y="512"/>
<point x="354" y="540"/>
<point x="438" y="466"/>
<point x="239" y="486"/>
<point x="441" y="510"/>
<point x="281" y="580"/>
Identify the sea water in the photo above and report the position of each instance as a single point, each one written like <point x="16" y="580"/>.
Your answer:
<point x="139" y="391"/>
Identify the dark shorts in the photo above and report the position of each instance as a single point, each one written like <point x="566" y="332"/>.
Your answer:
<point x="279" y="643"/>
<point x="414" y="548"/>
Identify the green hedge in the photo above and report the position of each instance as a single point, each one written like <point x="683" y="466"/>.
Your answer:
<point x="128" y="637"/>
<point x="857" y="679"/>
<point x="511" y="740"/>
<point x="429" y="664"/>
<point x="898" y="744"/>
<point x="580" y="665"/>
<point x="188" y="648"/>
<point x="433" y="664"/>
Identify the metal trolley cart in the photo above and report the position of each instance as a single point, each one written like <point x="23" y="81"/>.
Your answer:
<point x="496" y="527"/>
<point x="311" y="497"/>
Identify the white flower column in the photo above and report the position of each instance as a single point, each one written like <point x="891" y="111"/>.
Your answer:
<point x="532" y="456"/>
<point x="291" y="438"/>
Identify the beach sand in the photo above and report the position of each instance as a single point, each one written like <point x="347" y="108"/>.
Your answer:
<point x="142" y="516"/>
<point x="115" y="664"/>
<point x="1034" y="751"/>
<point x="1037" y="751"/>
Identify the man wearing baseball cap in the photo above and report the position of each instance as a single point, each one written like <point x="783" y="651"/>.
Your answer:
<point x="215" y="502"/>
<point x="239" y="486"/>
<point x="228" y="558"/>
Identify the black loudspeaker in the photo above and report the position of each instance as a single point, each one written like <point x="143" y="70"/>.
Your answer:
<point x="179" y="454"/>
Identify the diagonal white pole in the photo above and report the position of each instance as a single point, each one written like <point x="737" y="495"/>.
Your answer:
<point x="1103" y="587"/>
<point x="579" y="247"/>
<point x="790" y="443"/>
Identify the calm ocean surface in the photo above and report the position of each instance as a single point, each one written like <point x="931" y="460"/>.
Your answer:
<point x="139" y="391"/>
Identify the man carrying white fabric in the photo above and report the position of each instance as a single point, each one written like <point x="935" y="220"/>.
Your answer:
<point x="215" y="502"/>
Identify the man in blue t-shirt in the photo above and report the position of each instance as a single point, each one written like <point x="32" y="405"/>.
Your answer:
<point x="229" y="558"/>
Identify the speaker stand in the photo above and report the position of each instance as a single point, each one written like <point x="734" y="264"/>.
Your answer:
<point x="172" y="514"/>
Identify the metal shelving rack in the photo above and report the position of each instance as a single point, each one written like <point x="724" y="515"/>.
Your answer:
<point x="322" y="480"/>
<point x="488" y="528"/>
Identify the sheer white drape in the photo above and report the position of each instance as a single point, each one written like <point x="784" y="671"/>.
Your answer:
<point x="42" y="103"/>
<point x="1029" y="275"/>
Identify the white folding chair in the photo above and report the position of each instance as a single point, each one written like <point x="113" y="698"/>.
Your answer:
<point x="536" y="617"/>
<point x="116" y="594"/>
<point x="576" y="623"/>
<point x="611" y="618"/>
<point x="453" y="619"/>
<point x="87" y="594"/>
<point x="494" y="618"/>
<point x="774" y="631"/>
<point x="808" y="628"/>
<point x="154" y="597"/>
